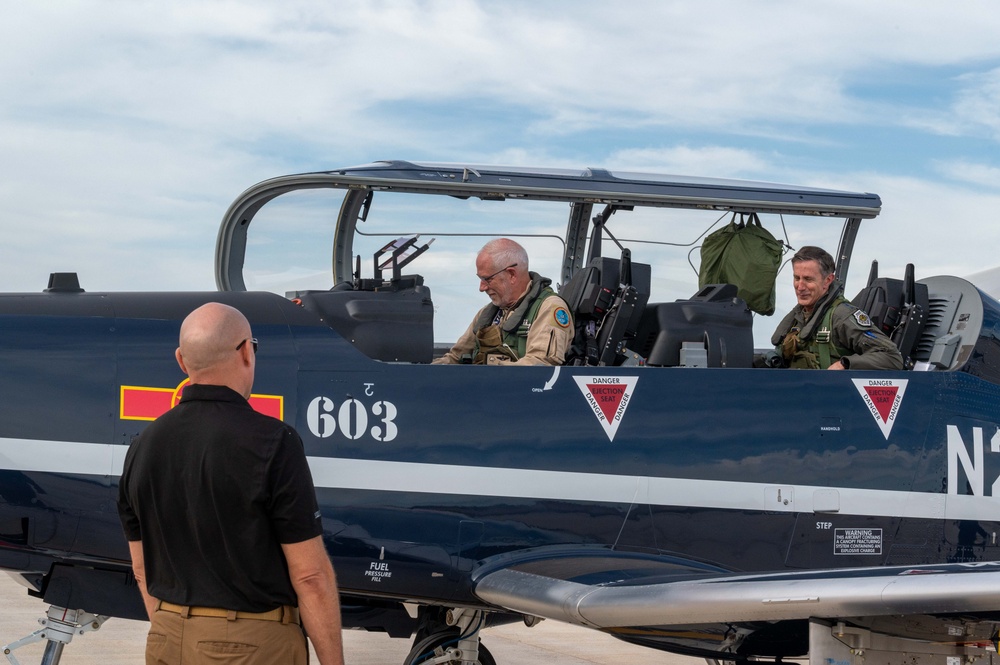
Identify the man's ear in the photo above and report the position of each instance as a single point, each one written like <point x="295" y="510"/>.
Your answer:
<point x="247" y="355"/>
<point x="180" y="359"/>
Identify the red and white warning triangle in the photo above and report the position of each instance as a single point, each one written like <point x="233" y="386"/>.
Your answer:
<point x="883" y="398"/>
<point x="608" y="397"/>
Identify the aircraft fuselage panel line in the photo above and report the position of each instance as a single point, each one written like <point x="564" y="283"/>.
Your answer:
<point x="337" y="473"/>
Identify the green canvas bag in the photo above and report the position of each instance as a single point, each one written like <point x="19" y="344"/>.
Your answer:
<point x="744" y="254"/>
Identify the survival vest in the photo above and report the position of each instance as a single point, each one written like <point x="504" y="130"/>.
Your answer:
<point x="510" y="338"/>
<point x="811" y="346"/>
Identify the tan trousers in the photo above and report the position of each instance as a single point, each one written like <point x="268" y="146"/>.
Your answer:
<point x="175" y="640"/>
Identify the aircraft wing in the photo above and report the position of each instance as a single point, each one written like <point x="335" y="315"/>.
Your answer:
<point x="623" y="596"/>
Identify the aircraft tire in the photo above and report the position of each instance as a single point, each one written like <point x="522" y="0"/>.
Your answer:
<point x="435" y="645"/>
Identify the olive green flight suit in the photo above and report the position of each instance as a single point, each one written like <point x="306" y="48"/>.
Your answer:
<point x="834" y="330"/>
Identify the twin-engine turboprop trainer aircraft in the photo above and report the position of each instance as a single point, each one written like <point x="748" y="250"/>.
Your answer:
<point x="661" y="489"/>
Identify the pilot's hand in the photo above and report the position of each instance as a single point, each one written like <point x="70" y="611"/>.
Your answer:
<point x="837" y="365"/>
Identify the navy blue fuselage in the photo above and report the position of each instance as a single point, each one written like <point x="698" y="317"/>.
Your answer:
<point x="423" y="473"/>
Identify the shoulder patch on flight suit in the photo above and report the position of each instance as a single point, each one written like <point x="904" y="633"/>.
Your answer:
<point x="562" y="317"/>
<point x="863" y="319"/>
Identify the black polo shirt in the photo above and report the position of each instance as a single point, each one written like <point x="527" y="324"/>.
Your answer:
<point x="212" y="489"/>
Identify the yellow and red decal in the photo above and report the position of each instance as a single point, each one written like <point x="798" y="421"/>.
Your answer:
<point x="146" y="403"/>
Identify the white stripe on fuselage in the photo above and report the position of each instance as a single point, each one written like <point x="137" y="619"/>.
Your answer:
<point x="65" y="457"/>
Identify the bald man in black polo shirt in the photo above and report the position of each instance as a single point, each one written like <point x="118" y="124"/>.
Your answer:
<point x="220" y="512"/>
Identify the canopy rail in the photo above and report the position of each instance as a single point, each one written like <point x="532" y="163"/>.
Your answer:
<point x="582" y="190"/>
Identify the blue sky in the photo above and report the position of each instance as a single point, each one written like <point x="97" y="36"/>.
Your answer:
<point x="127" y="128"/>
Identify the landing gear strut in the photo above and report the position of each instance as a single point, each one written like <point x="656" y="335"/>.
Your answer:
<point x="458" y="644"/>
<point x="58" y="627"/>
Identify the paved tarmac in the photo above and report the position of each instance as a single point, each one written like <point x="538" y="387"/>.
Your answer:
<point x="121" y="642"/>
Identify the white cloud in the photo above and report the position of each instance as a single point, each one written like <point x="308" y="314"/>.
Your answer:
<point x="127" y="128"/>
<point x="252" y="67"/>
<point x="939" y="227"/>
<point x="970" y="172"/>
<point x="977" y="109"/>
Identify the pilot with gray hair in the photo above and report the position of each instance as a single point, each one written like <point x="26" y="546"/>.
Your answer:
<point x="824" y="330"/>
<point x="526" y="323"/>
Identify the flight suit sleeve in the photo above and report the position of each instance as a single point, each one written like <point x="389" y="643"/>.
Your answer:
<point x="465" y="345"/>
<point x="870" y="348"/>
<point x="549" y="337"/>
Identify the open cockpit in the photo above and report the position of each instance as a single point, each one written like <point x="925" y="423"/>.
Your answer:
<point x="633" y="305"/>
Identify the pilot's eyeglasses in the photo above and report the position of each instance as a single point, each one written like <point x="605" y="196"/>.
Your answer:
<point x="490" y="278"/>
<point x="253" y="343"/>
